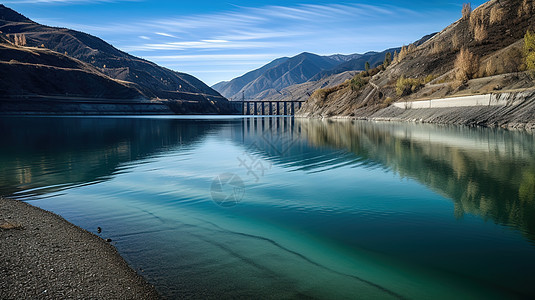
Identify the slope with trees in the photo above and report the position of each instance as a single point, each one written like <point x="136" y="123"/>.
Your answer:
<point x="480" y="53"/>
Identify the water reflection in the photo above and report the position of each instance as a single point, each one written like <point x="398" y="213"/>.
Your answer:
<point x="329" y="216"/>
<point x="486" y="172"/>
<point x="45" y="154"/>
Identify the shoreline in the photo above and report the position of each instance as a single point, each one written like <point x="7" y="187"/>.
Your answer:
<point x="44" y="256"/>
<point x="510" y="110"/>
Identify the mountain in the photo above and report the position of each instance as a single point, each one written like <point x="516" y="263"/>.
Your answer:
<point x="302" y="91"/>
<point x="344" y="58"/>
<point x="481" y="53"/>
<point x="269" y="81"/>
<point x="150" y="80"/>
<point x="358" y="61"/>
<point x="276" y="75"/>
<point x="232" y="88"/>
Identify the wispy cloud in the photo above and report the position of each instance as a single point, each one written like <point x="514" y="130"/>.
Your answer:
<point x="267" y="27"/>
<point x="207" y="57"/>
<point x="204" y="45"/>
<point x="244" y="37"/>
<point x="165" y="34"/>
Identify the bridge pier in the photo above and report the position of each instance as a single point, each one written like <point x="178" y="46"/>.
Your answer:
<point x="244" y="107"/>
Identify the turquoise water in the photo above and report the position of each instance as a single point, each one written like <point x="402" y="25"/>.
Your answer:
<point x="231" y="207"/>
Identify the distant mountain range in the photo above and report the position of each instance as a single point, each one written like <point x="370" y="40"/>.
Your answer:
<point x="42" y="64"/>
<point x="269" y="81"/>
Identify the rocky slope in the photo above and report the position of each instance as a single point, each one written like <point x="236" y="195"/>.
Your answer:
<point x="301" y="92"/>
<point x="493" y="33"/>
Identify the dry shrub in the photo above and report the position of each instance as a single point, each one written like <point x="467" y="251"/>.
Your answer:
<point x="508" y="61"/>
<point x="467" y="64"/>
<point x="321" y="94"/>
<point x="437" y="48"/>
<point x="529" y="51"/>
<point x="525" y="8"/>
<point x="429" y="78"/>
<point x="490" y="68"/>
<point x="512" y="60"/>
<point x="386" y="103"/>
<point x="478" y="25"/>
<point x="480" y="33"/>
<point x="20" y="40"/>
<point x="455" y="43"/>
<point x="407" y="86"/>
<point x="467" y="10"/>
<point x="497" y="15"/>
<point x="477" y="17"/>
<point x="402" y="54"/>
<point x="358" y="82"/>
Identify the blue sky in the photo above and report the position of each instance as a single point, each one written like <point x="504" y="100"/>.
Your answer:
<point x="220" y="40"/>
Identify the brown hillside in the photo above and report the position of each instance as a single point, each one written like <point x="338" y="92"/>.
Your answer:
<point x="152" y="80"/>
<point x="493" y="33"/>
<point x="26" y="70"/>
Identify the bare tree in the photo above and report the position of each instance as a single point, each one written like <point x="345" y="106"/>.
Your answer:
<point x="467" y="10"/>
<point x="467" y="65"/>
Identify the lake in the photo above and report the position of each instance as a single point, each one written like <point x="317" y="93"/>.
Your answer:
<point x="277" y="207"/>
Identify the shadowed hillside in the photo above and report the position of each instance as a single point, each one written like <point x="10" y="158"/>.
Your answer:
<point x="104" y="66"/>
<point x="45" y="72"/>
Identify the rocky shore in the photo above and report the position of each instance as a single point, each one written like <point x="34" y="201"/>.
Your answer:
<point x="42" y="256"/>
<point x="507" y="110"/>
<point x="513" y="110"/>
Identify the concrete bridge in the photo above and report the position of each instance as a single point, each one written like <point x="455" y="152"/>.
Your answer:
<point x="267" y="108"/>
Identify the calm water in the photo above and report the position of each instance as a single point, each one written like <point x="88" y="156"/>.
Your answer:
<point x="290" y="208"/>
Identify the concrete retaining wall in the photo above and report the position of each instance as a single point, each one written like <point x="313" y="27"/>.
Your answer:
<point x="476" y="100"/>
<point x="511" y="110"/>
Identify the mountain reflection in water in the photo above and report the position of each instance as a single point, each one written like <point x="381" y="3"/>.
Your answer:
<point x="330" y="209"/>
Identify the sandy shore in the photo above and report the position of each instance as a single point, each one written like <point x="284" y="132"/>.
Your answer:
<point x="42" y="256"/>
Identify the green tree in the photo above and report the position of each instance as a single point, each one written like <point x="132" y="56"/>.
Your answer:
<point x="367" y="66"/>
<point x="388" y="59"/>
<point x="529" y="51"/>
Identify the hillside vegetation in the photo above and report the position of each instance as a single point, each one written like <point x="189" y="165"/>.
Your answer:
<point x="483" y="52"/>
